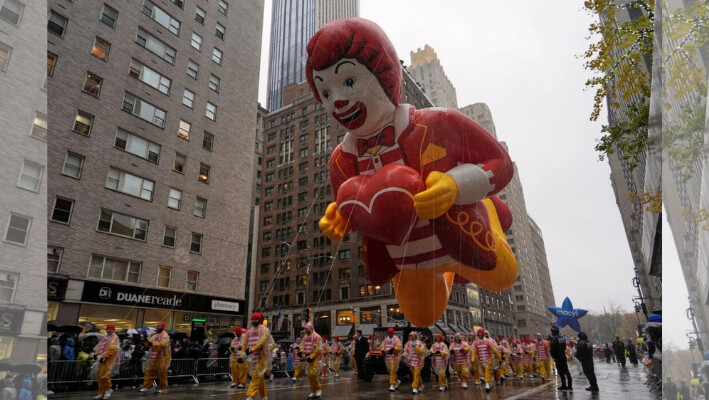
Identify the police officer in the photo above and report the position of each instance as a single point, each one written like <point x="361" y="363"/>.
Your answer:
<point x="558" y="353"/>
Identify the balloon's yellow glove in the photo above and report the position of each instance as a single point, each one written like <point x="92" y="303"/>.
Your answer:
<point x="438" y="198"/>
<point x="333" y="225"/>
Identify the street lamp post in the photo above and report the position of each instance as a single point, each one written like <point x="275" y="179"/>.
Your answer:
<point x="636" y="283"/>
<point x="690" y="315"/>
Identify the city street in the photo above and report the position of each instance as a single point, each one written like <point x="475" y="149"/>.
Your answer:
<point x="613" y="383"/>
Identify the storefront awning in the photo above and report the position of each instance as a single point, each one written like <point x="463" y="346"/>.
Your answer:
<point x="455" y="328"/>
<point x="343" y="331"/>
<point x="446" y="329"/>
<point x="463" y="329"/>
<point x="367" y="329"/>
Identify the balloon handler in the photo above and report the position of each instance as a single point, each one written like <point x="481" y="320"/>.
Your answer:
<point x="418" y="185"/>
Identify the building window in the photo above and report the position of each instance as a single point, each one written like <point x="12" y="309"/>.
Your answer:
<point x="114" y="269"/>
<point x="130" y="184"/>
<point x="196" y="243"/>
<point x="196" y="41"/>
<point x="150" y="77"/>
<point x="57" y="24"/>
<point x="137" y="145"/>
<point x="62" y="210"/>
<point x="184" y="130"/>
<point x="109" y="16"/>
<point x="83" y="122"/>
<point x="18" y="229"/>
<point x="344" y="292"/>
<point x="169" y="236"/>
<point x="200" y="207"/>
<point x="30" y="176"/>
<point x="199" y="15"/>
<point x="161" y="17"/>
<point x="11" y="11"/>
<point x="122" y="225"/>
<point x="207" y="141"/>
<point x="221" y="30"/>
<point x="203" y="173"/>
<point x="211" y="111"/>
<point x="217" y="56"/>
<point x="179" y="164"/>
<point x="214" y="82"/>
<point x="178" y="3"/>
<point x="174" y="199"/>
<point x="188" y="98"/>
<point x="164" y="273"/>
<point x="54" y="258"/>
<point x="8" y="284"/>
<point x="101" y="49"/>
<point x="92" y="84"/>
<point x="39" y="127"/>
<point x="223" y="7"/>
<point x="192" y="69"/>
<point x="192" y="281"/>
<point x="156" y="46"/>
<point x="144" y="110"/>
<point x="51" y="62"/>
<point x="73" y="165"/>
<point x="5" y="52"/>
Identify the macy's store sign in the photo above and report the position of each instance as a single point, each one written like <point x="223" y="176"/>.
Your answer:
<point x="108" y="293"/>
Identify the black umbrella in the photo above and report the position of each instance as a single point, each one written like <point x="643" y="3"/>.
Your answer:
<point x="227" y="334"/>
<point x="69" y="328"/>
<point x="176" y="335"/>
<point x="15" y="365"/>
<point x="53" y="324"/>
<point x="89" y="325"/>
<point x="284" y="341"/>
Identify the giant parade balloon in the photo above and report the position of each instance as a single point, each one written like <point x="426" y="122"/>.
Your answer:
<point x="418" y="185"/>
<point x="568" y="315"/>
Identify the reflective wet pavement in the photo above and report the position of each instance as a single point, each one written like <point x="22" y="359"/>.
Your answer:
<point x="614" y="383"/>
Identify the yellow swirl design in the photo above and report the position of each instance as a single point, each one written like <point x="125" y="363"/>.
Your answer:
<point x="473" y="229"/>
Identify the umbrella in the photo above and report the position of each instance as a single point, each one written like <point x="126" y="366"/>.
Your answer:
<point x="176" y="335"/>
<point x="87" y="335"/>
<point x="146" y="331"/>
<point x="15" y="365"/>
<point x="127" y="332"/>
<point x="227" y="334"/>
<point x="53" y="324"/>
<point x="91" y="326"/>
<point x="286" y="341"/>
<point x="68" y="328"/>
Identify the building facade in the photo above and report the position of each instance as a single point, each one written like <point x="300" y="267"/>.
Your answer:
<point x="149" y="179"/>
<point x="427" y="70"/>
<point x="23" y="157"/>
<point x="293" y="23"/>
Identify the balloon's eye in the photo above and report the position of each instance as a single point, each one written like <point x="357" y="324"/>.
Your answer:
<point x="350" y="81"/>
<point x="326" y="93"/>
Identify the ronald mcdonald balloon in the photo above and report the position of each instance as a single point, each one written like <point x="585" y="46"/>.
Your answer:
<point x="419" y="185"/>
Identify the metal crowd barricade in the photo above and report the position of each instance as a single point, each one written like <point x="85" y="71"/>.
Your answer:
<point x="183" y="368"/>
<point x="212" y="367"/>
<point x="68" y="371"/>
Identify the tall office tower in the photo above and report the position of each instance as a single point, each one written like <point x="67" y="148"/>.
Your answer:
<point x="298" y="267"/>
<point x="293" y="23"/>
<point x="685" y="177"/>
<point x="427" y="70"/>
<point x="642" y="226"/>
<point x="149" y="178"/>
<point x="23" y="158"/>
<point x="522" y="309"/>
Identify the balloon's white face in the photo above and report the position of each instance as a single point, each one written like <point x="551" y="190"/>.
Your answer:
<point x="354" y="98"/>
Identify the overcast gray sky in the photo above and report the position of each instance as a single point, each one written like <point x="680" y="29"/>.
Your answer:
<point x="521" y="59"/>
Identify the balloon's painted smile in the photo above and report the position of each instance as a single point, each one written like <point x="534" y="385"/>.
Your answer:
<point x="354" y="117"/>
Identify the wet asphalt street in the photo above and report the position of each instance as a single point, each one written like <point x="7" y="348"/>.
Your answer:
<point x="614" y="382"/>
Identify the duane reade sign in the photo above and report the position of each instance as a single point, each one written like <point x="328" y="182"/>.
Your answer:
<point x="148" y="299"/>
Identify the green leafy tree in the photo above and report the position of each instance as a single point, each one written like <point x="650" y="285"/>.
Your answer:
<point x="616" y="57"/>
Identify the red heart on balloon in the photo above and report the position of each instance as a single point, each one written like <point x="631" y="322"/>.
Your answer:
<point x="381" y="206"/>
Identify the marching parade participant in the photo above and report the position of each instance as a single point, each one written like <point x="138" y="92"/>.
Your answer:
<point x="325" y="357"/>
<point x="439" y="350"/>
<point x="473" y="366"/>
<point x="158" y="360"/>
<point x="516" y="357"/>
<point x="414" y="353"/>
<point x="497" y="364"/>
<point x="505" y="353"/>
<point x="312" y="345"/>
<point x="336" y="351"/>
<point x="353" y="362"/>
<point x="238" y="362"/>
<point x="106" y="354"/>
<point x="391" y="347"/>
<point x="484" y="352"/>
<point x="459" y="358"/>
<point x="528" y="357"/>
<point x="298" y="360"/>
<point x="255" y="345"/>
<point x="543" y="358"/>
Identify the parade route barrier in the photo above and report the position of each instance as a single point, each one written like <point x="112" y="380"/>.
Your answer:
<point x="183" y="368"/>
<point x="212" y="367"/>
